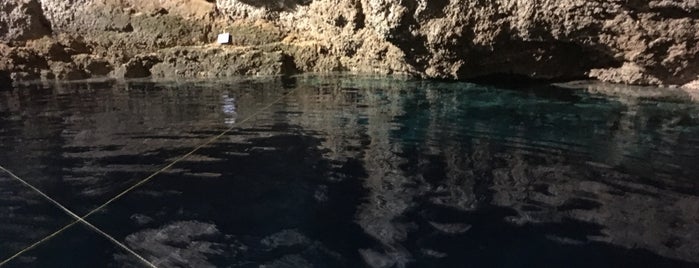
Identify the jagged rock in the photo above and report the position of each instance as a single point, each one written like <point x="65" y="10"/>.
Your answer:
<point x="74" y="44"/>
<point x="633" y="42"/>
<point x="22" y="20"/>
<point x="137" y="67"/>
<point x="22" y="63"/>
<point x="50" y="49"/>
<point x="91" y="65"/>
<point x="66" y="71"/>
<point x="537" y="39"/>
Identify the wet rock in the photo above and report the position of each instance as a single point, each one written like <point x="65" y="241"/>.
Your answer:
<point x="67" y="71"/>
<point x="141" y="219"/>
<point x="47" y="75"/>
<point x="22" y="63"/>
<point x="137" y="67"/>
<point x="693" y="89"/>
<point x="433" y="253"/>
<point x="451" y="228"/>
<point x="629" y="73"/>
<point x="288" y="261"/>
<point x="375" y="259"/>
<point x="24" y="58"/>
<point x="93" y="66"/>
<point x="179" y="244"/>
<point x="22" y="20"/>
<point x="311" y="57"/>
<point x="285" y="238"/>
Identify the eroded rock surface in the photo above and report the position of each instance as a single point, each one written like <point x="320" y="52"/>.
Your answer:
<point x="632" y="42"/>
<point x="22" y="20"/>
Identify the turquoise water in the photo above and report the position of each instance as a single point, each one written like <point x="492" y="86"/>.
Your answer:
<point x="350" y="172"/>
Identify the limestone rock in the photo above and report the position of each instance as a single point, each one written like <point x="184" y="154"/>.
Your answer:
<point x="22" y="20"/>
<point x="629" y="73"/>
<point x="137" y="67"/>
<point x="22" y="63"/>
<point x="252" y="34"/>
<point x="537" y="39"/>
<point x="93" y="66"/>
<point x="634" y="42"/>
<point x="50" y="49"/>
<point x="694" y="85"/>
<point x="210" y="62"/>
<point x="66" y="71"/>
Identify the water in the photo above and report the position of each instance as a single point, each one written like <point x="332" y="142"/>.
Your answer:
<point x="351" y="172"/>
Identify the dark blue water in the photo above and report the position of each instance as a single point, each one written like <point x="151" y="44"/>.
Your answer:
<point x="351" y="172"/>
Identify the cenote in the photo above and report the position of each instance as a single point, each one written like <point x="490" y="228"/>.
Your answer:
<point x="347" y="171"/>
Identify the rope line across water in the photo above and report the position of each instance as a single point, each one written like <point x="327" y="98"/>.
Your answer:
<point x="82" y="220"/>
<point x="74" y="216"/>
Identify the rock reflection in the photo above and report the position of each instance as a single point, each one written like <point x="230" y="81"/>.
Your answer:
<point x="381" y="172"/>
<point x="600" y="173"/>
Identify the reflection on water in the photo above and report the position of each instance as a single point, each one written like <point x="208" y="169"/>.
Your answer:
<point x="352" y="172"/>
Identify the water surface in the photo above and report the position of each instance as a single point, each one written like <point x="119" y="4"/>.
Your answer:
<point x="350" y="172"/>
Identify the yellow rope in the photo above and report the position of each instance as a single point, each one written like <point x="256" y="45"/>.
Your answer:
<point x="82" y="219"/>
<point x="72" y="214"/>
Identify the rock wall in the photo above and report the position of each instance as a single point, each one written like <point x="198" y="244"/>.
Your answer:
<point x="636" y="42"/>
<point x="623" y="41"/>
<point x="22" y="20"/>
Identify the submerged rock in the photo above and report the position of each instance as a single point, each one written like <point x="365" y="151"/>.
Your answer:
<point x="451" y="228"/>
<point x="179" y="244"/>
<point x="285" y="238"/>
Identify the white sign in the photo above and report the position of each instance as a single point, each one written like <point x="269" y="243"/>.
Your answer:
<point x="224" y="38"/>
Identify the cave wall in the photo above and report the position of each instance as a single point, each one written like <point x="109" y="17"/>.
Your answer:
<point x="621" y="41"/>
